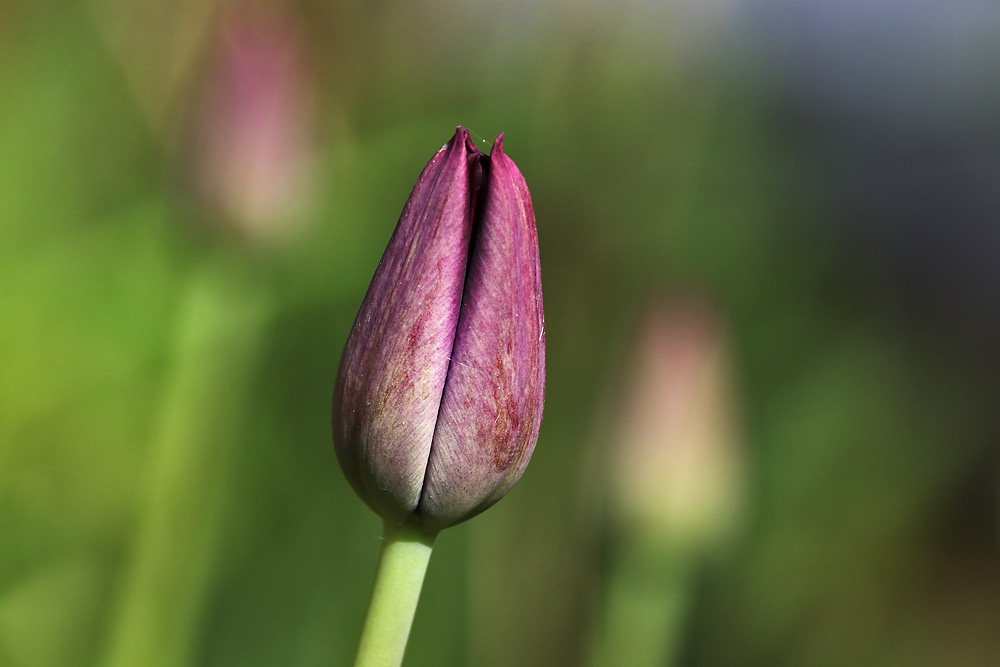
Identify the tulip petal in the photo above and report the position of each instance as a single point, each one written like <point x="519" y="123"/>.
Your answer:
<point x="395" y="362"/>
<point x="492" y="405"/>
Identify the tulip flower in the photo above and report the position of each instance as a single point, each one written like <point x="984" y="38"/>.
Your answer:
<point x="249" y="153"/>
<point x="675" y="476"/>
<point x="438" y="398"/>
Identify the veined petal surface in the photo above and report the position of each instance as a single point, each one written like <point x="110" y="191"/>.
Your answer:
<point x="492" y="405"/>
<point x="394" y="366"/>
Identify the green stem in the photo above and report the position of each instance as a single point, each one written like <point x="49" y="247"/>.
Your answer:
<point x="401" y="566"/>
<point x="186" y="488"/>
<point x="647" y="601"/>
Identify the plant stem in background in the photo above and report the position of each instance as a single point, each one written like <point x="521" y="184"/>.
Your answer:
<point x="401" y="566"/>
<point x="645" y="606"/>
<point x="185" y="490"/>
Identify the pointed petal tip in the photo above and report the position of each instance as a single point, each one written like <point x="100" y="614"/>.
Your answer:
<point x="464" y="135"/>
<point x="498" y="146"/>
<point x="470" y="145"/>
<point x="460" y="137"/>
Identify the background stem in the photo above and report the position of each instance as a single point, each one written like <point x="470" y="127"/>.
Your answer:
<point x="402" y="563"/>
<point x="168" y="569"/>
<point x="646" y="605"/>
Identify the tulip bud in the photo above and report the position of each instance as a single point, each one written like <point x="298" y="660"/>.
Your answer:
<point x="677" y="473"/>
<point x="438" y="398"/>
<point x="249" y="155"/>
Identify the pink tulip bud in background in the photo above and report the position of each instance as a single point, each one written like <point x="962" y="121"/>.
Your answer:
<point x="677" y="463"/>
<point x="253" y="124"/>
<point x="675" y="481"/>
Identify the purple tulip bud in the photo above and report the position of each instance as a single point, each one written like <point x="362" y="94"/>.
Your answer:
<point x="439" y="394"/>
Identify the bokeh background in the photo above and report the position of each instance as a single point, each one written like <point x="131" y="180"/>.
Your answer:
<point x="770" y="234"/>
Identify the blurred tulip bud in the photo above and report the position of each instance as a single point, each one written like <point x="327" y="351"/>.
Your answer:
<point x="678" y="467"/>
<point x="251" y="149"/>
<point x="439" y="394"/>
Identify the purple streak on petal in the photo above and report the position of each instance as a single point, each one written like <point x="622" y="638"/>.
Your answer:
<point x="492" y="405"/>
<point x="393" y="369"/>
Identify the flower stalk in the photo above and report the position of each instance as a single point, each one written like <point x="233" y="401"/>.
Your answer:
<point x="402" y="564"/>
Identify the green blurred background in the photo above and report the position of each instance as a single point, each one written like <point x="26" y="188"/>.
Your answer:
<point x="194" y="195"/>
